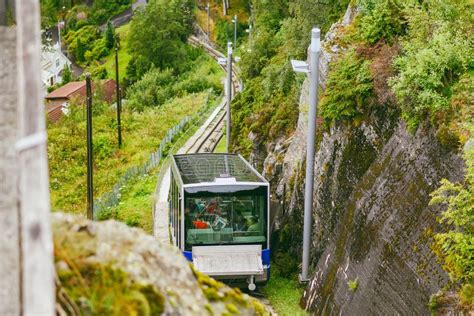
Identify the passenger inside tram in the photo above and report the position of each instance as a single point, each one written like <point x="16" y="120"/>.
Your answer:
<point x="225" y="219"/>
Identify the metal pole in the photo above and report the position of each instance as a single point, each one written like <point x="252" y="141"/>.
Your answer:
<point x="229" y="93"/>
<point x="308" y="197"/>
<point x="119" y="99"/>
<point x="90" y="184"/>
<point x="235" y="31"/>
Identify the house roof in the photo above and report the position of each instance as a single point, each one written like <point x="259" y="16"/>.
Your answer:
<point x="55" y="112"/>
<point x="65" y="91"/>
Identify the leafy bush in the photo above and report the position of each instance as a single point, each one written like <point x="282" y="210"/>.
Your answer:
<point x="381" y="20"/>
<point x="348" y="90"/>
<point x="436" y="51"/>
<point x="152" y="90"/>
<point x="456" y="247"/>
<point x="81" y="41"/>
<point x="99" y="50"/>
<point x="158" y="86"/>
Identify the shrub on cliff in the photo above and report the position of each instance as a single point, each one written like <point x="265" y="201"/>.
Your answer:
<point x="456" y="247"/>
<point x="349" y="88"/>
<point x="435" y="53"/>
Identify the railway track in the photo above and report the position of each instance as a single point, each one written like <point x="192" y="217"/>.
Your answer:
<point x="213" y="133"/>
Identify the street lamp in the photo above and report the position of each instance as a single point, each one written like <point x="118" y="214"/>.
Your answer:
<point x="313" y="71"/>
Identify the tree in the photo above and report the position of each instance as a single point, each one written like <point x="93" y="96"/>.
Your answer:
<point x="67" y="74"/>
<point x="158" y="35"/>
<point x="110" y="36"/>
<point x="80" y="50"/>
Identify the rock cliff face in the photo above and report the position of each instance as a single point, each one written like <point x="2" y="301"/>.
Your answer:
<point x="372" y="226"/>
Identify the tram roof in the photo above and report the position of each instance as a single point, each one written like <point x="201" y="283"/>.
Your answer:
<point x="206" y="168"/>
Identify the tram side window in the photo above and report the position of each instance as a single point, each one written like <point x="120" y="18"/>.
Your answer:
<point x="233" y="218"/>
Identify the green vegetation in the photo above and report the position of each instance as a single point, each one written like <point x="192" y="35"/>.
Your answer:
<point x="268" y="105"/>
<point x="221" y="146"/>
<point x="353" y="284"/>
<point x="158" y="86"/>
<point x="85" y="42"/>
<point x="158" y="37"/>
<point x="430" y="49"/>
<point x="284" y="293"/>
<point x="109" y="36"/>
<point x="123" y="55"/>
<point x="103" y="290"/>
<point x="142" y="133"/>
<point x="436" y="52"/>
<point x="456" y="246"/>
<point x="381" y="20"/>
<point x="349" y="88"/>
<point x="77" y="14"/>
<point x="233" y="298"/>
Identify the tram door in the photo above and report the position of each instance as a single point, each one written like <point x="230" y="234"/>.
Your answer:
<point x="175" y="211"/>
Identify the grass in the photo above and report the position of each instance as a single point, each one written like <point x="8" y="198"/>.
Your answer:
<point x="123" y="55"/>
<point x="221" y="148"/>
<point x="284" y="294"/>
<point x="142" y="133"/>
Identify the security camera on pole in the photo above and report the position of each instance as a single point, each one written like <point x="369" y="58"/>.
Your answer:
<point x="313" y="70"/>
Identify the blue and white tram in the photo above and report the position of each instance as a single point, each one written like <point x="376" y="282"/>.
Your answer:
<point x="219" y="217"/>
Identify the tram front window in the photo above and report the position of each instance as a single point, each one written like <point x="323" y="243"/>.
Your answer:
<point x="226" y="218"/>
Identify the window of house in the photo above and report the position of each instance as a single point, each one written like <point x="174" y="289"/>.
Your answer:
<point x="57" y="62"/>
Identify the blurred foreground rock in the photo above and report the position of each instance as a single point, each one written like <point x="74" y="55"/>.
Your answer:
<point x="108" y="268"/>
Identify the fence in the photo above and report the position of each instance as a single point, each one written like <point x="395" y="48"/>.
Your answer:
<point x="112" y="198"/>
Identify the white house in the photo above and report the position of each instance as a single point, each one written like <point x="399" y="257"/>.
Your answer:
<point x="52" y="65"/>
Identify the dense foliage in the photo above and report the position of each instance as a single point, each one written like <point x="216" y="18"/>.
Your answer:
<point x="350" y="86"/>
<point x="158" y="36"/>
<point x="268" y="106"/>
<point x="434" y="59"/>
<point x="437" y="50"/>
<point x="456" y="246"/>
<point x="158" y="86"/>
<point x="78" y="13"/>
